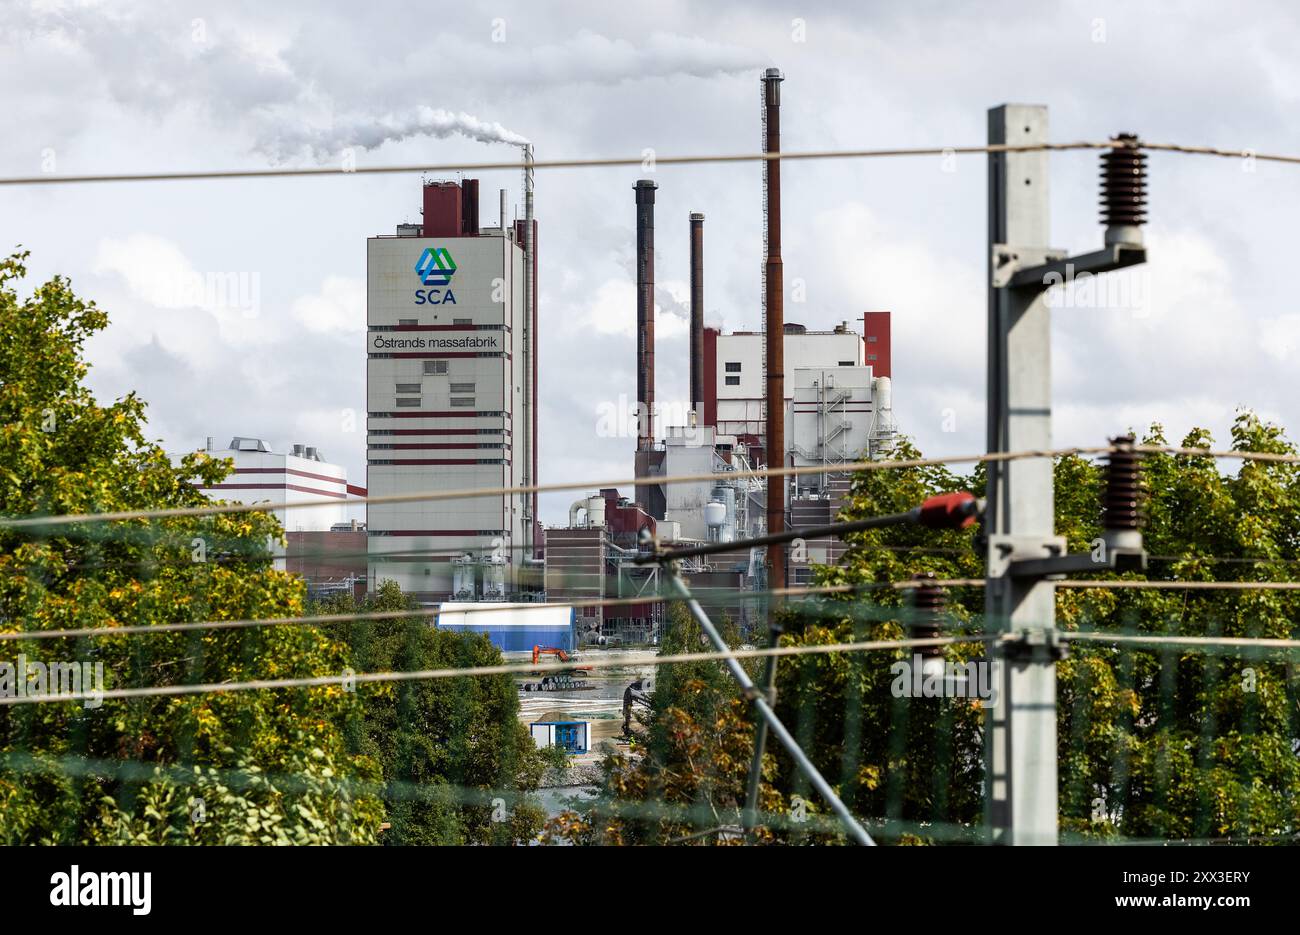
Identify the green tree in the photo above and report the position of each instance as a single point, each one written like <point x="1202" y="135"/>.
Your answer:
<point x="1153" y="742"/>
<point x="70" y="773"/>
<point x="447" y="747"/>
<point x="1169" y="743"/>
<point x="686" y="779"/>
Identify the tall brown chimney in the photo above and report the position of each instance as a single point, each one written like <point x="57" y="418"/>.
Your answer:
<point x="775" y="428"/>
<point x="645" y="312"/>
<point x="697" y="316"/>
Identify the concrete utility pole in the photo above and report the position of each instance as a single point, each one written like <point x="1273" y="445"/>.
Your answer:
<point x="1021" y="743"/>
<point x="1023" y="550"/>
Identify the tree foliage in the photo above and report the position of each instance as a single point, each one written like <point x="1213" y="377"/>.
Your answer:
<point x="452" y="751"/>
<point x="63" y="452"/>
<point x="1172" y="743"/>
<point x="1153" y="742"/>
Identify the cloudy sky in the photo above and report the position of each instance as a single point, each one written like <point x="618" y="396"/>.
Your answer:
<point x="1209" y="325"/>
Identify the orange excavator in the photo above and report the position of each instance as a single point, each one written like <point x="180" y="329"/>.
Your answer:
<point x="540" y="651"/>
<point x="560" y="654"/>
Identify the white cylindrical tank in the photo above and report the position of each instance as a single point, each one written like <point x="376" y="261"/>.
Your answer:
<point x="715" y="518"/>
<point x="593" y="506"/>
<point x="462" y="578"/>
<point x="726" y="494"/>
<point x="884" y="394"/>
<point x="596" y="511"/>
<point x="494" y="579"/>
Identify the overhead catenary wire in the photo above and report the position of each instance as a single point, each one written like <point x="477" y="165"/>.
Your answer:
<point x="654" y="598"/>
<point x="60" y="519"/>
<point x="352" y="679"/>
<point x="1158" y="639"/>
<point x="349" y="680"/>
<point x="638" y="161"/>
<point x="334" y="619"/>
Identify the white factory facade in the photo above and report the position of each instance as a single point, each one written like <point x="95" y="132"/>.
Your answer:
<point x="449" y="382"/>
<point x="316" y="534"/>
<point x="837" y="403"/>
<point x="299" y="475"/>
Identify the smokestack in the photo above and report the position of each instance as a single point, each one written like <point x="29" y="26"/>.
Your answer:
<point x="775" y="337"/>
<point x="697" y="315"/>
<point x="645" y="312"/>
<point x="469" y="208"/>
<point x="503" y="212"/>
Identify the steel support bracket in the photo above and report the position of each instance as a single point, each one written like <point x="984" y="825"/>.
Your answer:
<point x="1034" y="644"/>
<point x="1056" y="270"/>
<point x="1008" y="262"/>
<point x="1006" y="551"/>
<point x="1056" y="566"/>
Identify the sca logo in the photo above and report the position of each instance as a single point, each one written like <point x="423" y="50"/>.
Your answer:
<point x="435" y="267"/>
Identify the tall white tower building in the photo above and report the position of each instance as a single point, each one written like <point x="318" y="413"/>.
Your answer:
<point x="450" y="399"/>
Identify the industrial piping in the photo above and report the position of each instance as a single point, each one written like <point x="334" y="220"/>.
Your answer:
<point x="697" y="316"/>
<point x="530" y="355"/>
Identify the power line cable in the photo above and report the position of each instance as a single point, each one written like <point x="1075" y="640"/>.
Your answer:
<point x="638" y="161"/>
<point x="346" y="681"/>
<point x="463" y="493"/>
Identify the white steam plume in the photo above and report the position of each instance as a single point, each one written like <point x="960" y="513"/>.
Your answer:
<point x="372" y="132"/>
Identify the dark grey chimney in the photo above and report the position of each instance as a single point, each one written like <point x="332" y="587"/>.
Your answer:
<point x="697" y="316"/>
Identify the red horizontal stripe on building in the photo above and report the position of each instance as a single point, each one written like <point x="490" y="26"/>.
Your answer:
<point x="376" y="557"/>
<point x="468" y="430"/>
<point x="443" y="328"/>
<point x="439" y="446"/>
<point x="440" y="414"/>
<point x="323" y="493"/>
<point x="336" y="480"/>
<point x="356" y="491"/>
<point x="418" y="356"/>
<point x="437" y="533"/>
<point x="399" y="462"/>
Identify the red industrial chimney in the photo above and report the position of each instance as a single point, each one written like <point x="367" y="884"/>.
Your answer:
<point x="645" y="312"/>
<point x="443" y="207"/>
<point x="875" y="336"/>
<point x="775" y="337"/>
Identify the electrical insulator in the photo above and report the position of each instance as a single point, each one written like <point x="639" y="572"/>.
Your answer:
<point x="1121" y="508"/>
<point x="929" y="604"/>
<point x="1124" y="191"/>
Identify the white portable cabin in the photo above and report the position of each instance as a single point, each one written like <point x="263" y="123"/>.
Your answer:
<point x="573" y="736"/>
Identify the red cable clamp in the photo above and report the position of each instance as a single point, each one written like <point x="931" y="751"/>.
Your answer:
<point x="949" y="511"/>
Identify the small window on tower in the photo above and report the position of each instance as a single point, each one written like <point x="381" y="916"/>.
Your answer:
<point x="462" y="387"/>
<point x="871" y="357"/>
<point x="462" y="402"/>
<point x="435" y="366"/>
<point x="408" y="321"/>
<point x="733" y="381"/>
<point x="733" y="366"/>
<point x="462" y="321"/>
<point x="408" y="402"/>
<point x="846" y="363"/>
<point x="871" y="338"/>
